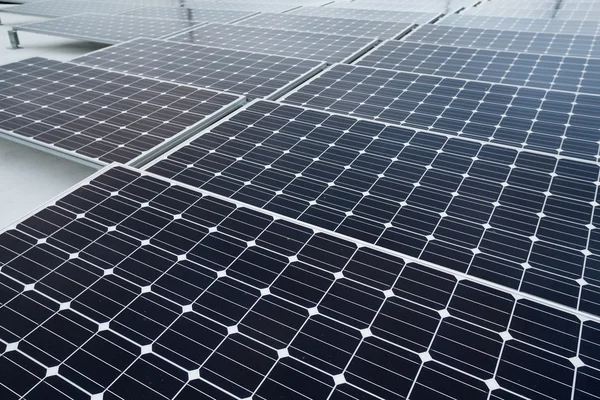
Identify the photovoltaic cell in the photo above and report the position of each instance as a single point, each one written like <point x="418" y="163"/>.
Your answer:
<point x="550" y="121"/>
<point x="245" y="328"/>
<point x="330" y="25"/>
<point x="575" y="27"/>
<point x="108" y="29"/>
<point x="189" y="14"/>
<point x="519" y="219"/>
<point x="240" y="72"/>
<point x="523" y="42"/>
<point x="63" y="8"/>
<point x="573" y="74"/>
<point x="371" y="15"/>
<point x="101" y="116"/>
<point x="315" y="46"/>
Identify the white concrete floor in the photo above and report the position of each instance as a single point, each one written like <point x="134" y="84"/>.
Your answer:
<point x="29" y="177"/>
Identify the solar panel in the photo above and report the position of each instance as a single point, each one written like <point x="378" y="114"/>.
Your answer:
<point x="326" y="25"/>
<point x="269" y="313"/>
<point x="523" y="42"/>
<point x="514" y="12"/>
<point x="109" y="29"/>
<point x="532" y="70"/>
<point x="434" y="6"/>
<point x="550" y="121"/>
<point x="586" y="15"/>
<point x="98" y="116"/>
<point x="240" y="72"/>
<point x="371" y="15"/>
<point x="519" y="219"/>
<point x="314" y="46"/>
<point x="254" y="6"/>
<point x="574" y="27"/>
<point x="63" y="8"/>
<point x="189" y="14"/>
<point x="541" y="10"/>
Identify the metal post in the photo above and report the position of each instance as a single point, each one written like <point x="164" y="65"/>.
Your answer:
<point x="14" y="39"/>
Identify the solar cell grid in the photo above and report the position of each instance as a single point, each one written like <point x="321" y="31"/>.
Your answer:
<point x="514" y="12"/>
<point x="63" y="8"/>
<point x="449" y="6"/>
<point x="519" y="219"/>
<point x="115" y="337"/>
<point x="571" y="74"/>
<point x="585" y="15"/>
<point x="189" y="14"/>
<point x="253" y="6"/>
<point x="314" y="46"/>
<point x="329" y="25"/>
<point x="371" y="15"/>
<point x="542" y="10"/>
<point x="549" y="121"/>
<point x="523" y="42"/>
<point x="240" y="72"/>
<point x="101" y="116"/>
<point x="575" y="27"/>
<point x="108" y="29"/>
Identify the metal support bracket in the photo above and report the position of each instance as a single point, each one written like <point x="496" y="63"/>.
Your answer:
<point x="14" y="39"/>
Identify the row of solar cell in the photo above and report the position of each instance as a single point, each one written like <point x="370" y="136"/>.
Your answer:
<point x="506" y="40"/>
<point x="102" y="116"/>
<point x="101" y="294"/>
<point x="575" y="27"/>
<point x="550" y="121"/>
<point x="255" y="75"/>
<point x="571" y="74"/>
<point x="519" y="219"/>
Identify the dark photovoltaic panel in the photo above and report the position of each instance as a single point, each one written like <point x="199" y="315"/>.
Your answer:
<point x="108" y="29"/>
<point x="97" y="301"/>
<point x="63" y="8"/>
<point x="519" y="219"/>
<point x="241" y="72"/>
<point x="523" y="42"/>
<point x="412" y="17"/>
<point x="315" y="46"/>
<point x="189" y="14"/>
<point x="551" y="121"/>
<point x="329" y="25"/>
<point x="573" y="74"/>
<point x="101" y="116"/>
<point x="574" y="27"/>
